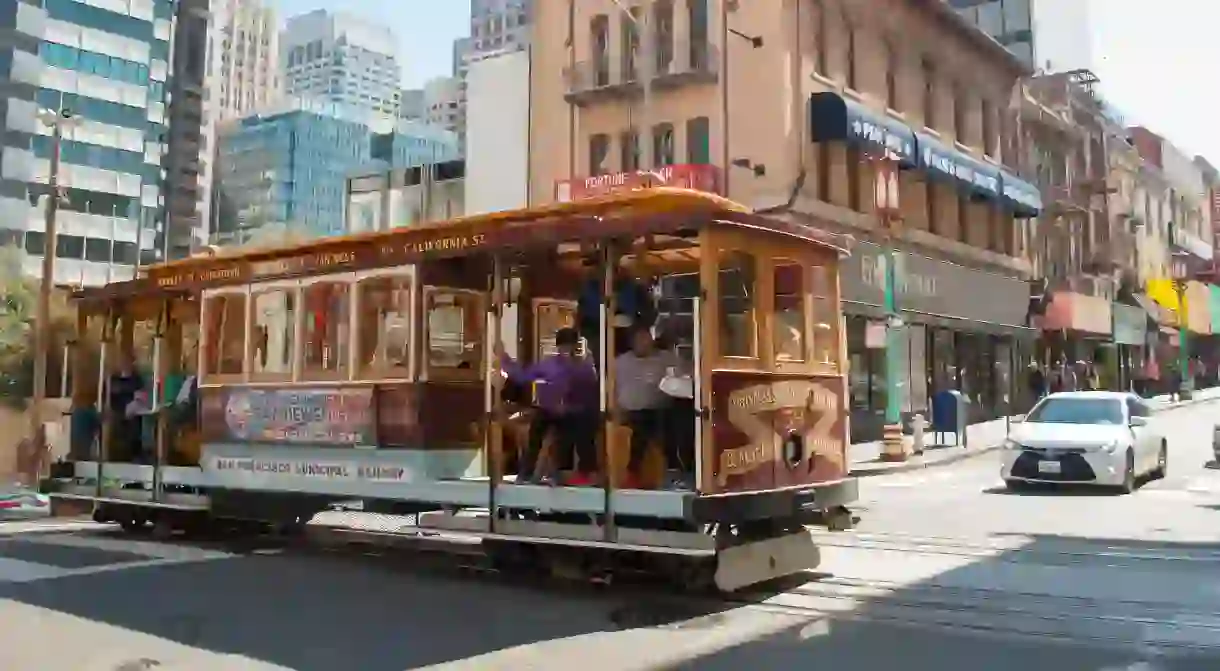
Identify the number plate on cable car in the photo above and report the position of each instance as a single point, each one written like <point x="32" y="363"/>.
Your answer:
<point x="1050" y="467"/>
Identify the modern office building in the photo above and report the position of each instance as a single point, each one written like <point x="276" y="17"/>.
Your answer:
<point x="247" y="75"/>
<point x="191" y="140"/>
<point x="341" y="59"/>
<point x="1050" y="36"/>
<point x="411" y="104"/>
<point x="109" y="69"/>
<point x="445" y="103"/>
<point x="496" y="25"/>
<point x="287" y="166"/>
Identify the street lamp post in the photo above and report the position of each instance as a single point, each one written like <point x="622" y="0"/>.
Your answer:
<point x="1180" y="280"/>
<point x="886" y="199"/>
<point x="57" y="121"/>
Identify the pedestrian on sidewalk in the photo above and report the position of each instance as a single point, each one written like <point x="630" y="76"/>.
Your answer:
<point x="1036" y="381"/>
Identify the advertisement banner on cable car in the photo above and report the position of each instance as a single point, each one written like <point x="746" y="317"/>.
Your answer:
<point x="296" y="416"/>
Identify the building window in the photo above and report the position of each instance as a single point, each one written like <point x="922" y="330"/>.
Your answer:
<point x="854" y="195"/>
<point x="663" y="28"/>
<point x="788" y="338"/>
<point x="736" y="277"/>
<point x="960" y="120"/>
<point x="932" y="203"/>
<point x="826" y="317"/>
<point x="824" y="168"/>
<point x="274" y="334"/>
<point x="698" y="141"/>
<point x="991" y="135"/>
<point x="629" y="148"/>
<point x="849" y="32"/>
<point x="662" y="145"/>
<point x="385" y="327"/>
<point x="891" y="75"/>
<point x="599" y="30"/>
<point x="327" y="333"/>
<point x="697" y="19"/>
<point x="630" y="44"/>
<point x="928" y="70"/>
<point x="454" y="331"/>
<point x="224" y="336"/>
<point x="599" y="151"/>
<point x="821" y="35"/>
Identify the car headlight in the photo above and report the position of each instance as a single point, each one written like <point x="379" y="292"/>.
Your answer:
<point x="1010" y="444"/>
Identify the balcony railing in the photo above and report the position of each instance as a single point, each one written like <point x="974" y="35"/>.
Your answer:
<point x="677" y="65"/>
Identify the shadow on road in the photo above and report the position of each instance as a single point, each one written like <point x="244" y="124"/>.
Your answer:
<point x="1054" y="604"/>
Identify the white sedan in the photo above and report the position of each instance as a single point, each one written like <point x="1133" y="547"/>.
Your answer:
<point x="1085" y="437"/>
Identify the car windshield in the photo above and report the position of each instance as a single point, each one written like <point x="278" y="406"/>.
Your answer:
<point x="1078" y="411"/>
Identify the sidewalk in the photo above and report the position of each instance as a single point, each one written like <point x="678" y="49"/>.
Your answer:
<point x="984" y="437"/>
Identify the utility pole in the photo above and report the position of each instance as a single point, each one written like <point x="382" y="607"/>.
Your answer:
<point x="57" y="122"/>
<point x="1181" y="277"/>
<point x="889" y="214"/>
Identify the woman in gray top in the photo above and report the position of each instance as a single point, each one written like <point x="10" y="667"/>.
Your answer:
<point x="638" y="400"/>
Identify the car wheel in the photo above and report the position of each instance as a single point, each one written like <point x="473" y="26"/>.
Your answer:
<point x="1162" y="463"/>
<point x="1128" y="485"/>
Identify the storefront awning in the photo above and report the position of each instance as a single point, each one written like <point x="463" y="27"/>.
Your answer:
<point x="968" y="173"/>
<point x="1023" y="198"/>
<point x="833" y="118"/>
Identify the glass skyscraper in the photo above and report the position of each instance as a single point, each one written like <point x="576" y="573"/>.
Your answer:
<point x="287" y="168"/>
<point x="108" y="67"/>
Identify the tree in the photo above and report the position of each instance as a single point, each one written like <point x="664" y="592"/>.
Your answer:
<point x="18" y="306"/>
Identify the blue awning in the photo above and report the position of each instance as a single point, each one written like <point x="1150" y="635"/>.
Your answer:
<point x="1023" y="198"/>
<point x="834" y="118"/>
<point x="969" y="173"/>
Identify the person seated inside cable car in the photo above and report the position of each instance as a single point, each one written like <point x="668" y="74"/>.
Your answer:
<point x="566" y="403"/>
<point x="125" y="388"/>
<point x="641" y="404"/>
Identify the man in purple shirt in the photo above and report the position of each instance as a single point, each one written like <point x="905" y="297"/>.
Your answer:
<point x="565" y="395"/>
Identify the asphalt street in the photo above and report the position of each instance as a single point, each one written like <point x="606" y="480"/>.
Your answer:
<point x="947" y="570"/>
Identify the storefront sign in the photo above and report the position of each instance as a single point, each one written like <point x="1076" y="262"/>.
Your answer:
<point x="290" y="416"/>
<point x="1130" y="324"/>
<point x="700" y="177"/>
<point x="834" y="118"/>
<point x="935" y="288"/>
<point x="307" y="468"/>
<point x="970" y="173"/>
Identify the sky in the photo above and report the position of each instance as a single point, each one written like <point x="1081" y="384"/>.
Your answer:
<point x="1157" y="61"/>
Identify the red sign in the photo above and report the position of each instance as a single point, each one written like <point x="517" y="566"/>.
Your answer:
<point x="699" y="177"/>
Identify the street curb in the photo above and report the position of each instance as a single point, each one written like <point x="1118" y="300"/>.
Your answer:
<point x="963" y="456"/>
<point x="920" y="465"/>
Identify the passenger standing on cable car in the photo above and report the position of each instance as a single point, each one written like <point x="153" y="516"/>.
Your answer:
<point x="639" y="401"/>
<point x="566" y="399"/>
<point x="125" y="384"/>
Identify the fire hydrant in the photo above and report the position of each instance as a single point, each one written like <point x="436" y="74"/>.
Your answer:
<point x="918" y="424"/>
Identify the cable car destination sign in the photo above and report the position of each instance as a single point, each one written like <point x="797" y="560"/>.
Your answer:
<point x="326" y="256"/>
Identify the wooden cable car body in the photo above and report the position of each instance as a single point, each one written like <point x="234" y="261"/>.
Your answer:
<point x="360" y="368"/>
